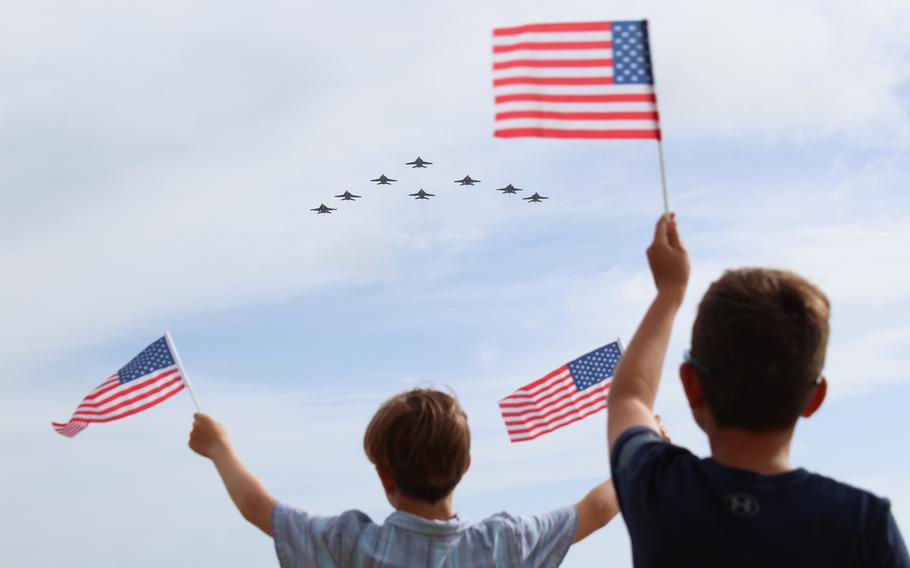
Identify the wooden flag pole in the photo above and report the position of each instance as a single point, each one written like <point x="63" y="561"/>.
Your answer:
<point x="186" y="380"/>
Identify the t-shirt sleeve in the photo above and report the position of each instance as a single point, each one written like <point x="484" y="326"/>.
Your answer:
<point x="544" y="540"/>
<point x="634" y="450"/>
<point x="884" y="545"/>
<point x="304" y="540"/>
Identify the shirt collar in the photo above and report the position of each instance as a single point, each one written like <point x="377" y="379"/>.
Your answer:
<point x="413" y="523"/>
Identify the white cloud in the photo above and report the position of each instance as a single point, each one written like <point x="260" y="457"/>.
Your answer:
<point x="784" y="71"/>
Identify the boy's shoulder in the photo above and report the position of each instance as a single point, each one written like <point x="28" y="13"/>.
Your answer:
<point x="838" y="494"/>
<point x="352" y="537"/>
<point x="671" y="497"/>
<point x="641" y="451"/>
<point x="641" y="454"/>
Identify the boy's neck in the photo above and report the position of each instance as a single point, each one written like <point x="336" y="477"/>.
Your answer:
<point x="439" y="511"/>
<point x="761" y="452"/>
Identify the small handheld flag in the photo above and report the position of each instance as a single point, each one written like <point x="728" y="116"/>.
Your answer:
<point x="147" y="380"/>
<point x="583" y="80"/>
<point x="574" y="391"/>
<point x="575" y="80"/>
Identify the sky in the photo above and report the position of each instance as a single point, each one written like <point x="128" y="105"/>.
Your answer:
<point x="158" y="164"/>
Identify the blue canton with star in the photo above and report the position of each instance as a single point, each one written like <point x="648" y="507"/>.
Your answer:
<point x="631" y="53"/>
<point x="155" y="356"/>
<point x="596" y="366"/>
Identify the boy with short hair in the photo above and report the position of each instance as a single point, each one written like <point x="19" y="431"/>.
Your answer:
<point x="420" y="443"/>
<point x="758" y="349"/>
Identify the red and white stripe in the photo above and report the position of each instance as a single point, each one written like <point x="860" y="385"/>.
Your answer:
<point x="556" y="81"/>
<point x="112" y="400"/>
<point x="550" y="403"/>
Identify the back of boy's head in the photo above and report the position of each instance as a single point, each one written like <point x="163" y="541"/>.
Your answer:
<point x="761" y="337"/>
<point x="421" y="438"/>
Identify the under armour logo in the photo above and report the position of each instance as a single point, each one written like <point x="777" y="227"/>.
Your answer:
<point x="742" y="504"/>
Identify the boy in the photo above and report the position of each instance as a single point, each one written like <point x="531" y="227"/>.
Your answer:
<point x="758" y="348"/>
<point x="420" y="444"/>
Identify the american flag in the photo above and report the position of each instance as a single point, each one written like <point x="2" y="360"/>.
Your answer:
<point x="568" y="394"/>
<point x="149" y="379"/>
<point x="574" y="80"/>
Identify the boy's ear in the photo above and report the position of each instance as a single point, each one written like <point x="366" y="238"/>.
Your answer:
<point x="467" y="465"/>
<point x="692" y="385"/>
<point x="818" y="397"/>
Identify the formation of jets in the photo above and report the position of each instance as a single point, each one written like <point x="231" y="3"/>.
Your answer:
<point x="421" y="194"/>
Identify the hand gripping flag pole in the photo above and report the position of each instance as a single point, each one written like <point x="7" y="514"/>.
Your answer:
<point x="186" y="379"/>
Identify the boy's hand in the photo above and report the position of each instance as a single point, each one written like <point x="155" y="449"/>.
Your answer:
<point x="208" y="437"/>
<point x="668" y="259"/>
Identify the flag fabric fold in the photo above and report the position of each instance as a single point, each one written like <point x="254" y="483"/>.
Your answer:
<point x="575" y="80"/>
<point x="147" y="380"/>
<point x="574" y="391"/>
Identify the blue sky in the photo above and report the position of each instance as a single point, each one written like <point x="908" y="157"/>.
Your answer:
<point x="159" y="162"/>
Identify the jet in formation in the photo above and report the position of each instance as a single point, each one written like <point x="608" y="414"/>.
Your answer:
<point x="418" y="163"/>
<point x="536" y="198"/>
<point x="422" y="195"/>
<point x="383" y="180"/>
<point x="323" y="209"/>
<point x="348" y="196"/>
<point x="466" y="180"/>
<point x="509" y="189"/>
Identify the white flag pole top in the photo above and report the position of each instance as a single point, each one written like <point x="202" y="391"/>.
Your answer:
<point x="660" y="146"/>
<point x="186" y="380"/>
<point x="663" y="178"/>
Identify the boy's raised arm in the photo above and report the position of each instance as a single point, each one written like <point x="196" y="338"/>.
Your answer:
<point x="597" y="508"/>
<point x="253" y="500"/>
<point x="634" y="386"/>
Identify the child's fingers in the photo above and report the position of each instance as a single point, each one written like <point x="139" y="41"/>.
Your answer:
<point x="201" y="417"/>
<point x="673" y="234"/>
<point x="660" y="231"/>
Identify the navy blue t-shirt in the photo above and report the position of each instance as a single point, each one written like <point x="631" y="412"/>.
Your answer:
<point x="684" y="511"/>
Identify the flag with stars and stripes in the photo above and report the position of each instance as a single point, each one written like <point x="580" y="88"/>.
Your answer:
<point x="149" y="379"/>
<point x="568" y="394"/>
<point x="575" y="80"/>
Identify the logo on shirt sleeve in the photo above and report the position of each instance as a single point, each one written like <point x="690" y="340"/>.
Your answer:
<point x="742" y="504"/>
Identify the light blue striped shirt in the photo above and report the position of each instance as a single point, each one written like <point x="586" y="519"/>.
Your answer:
<point x="352" y="539"/>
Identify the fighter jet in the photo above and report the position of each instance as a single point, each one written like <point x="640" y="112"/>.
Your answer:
<point x="466" y="180"/>
<point x="323" y="209"/>
<point x="422" y="195"/>
<point x="418" y="163"/>
<point x="383" y="180"/>
<point x="536" y="198"/>
<point x="348" y="196"/>
<point x="509" y="189"/>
